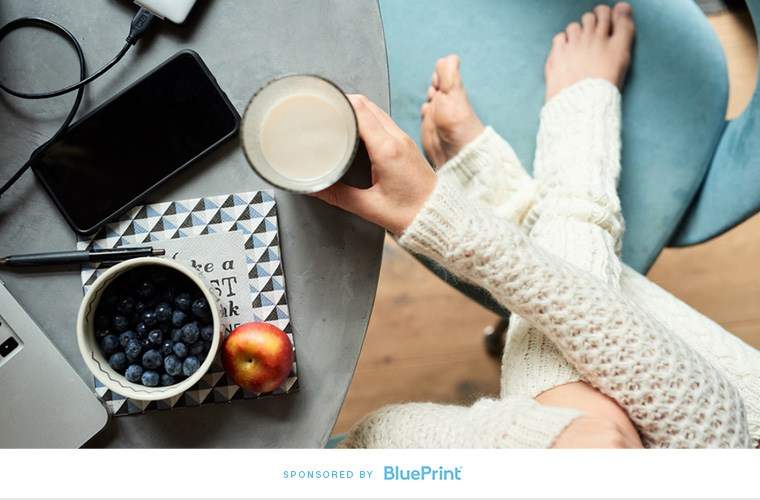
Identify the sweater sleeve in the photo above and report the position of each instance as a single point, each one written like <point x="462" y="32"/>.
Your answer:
<point x="487" y="169"/>
<point x="505" y="423"/>
<point x="673" y="396"/>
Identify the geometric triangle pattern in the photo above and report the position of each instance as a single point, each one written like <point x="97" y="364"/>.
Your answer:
<point x="254" y="215"/>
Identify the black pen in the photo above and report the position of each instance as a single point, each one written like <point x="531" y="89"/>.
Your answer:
<point x="80" y="256"/>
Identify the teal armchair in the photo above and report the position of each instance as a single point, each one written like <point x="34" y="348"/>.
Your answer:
<point x="688" y="174"/>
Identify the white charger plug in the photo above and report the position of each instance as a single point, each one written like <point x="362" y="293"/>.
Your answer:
<point x="175" y="11"/>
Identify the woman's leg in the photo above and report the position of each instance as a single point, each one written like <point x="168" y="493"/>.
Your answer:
<point x="578" y="215"/>
<point x="738" y="361"/>
<point x="473" y="156"/>
<point x="455" y="139"/>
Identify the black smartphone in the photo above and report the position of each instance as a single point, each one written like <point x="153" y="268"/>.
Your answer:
<point x="109" y="160"/>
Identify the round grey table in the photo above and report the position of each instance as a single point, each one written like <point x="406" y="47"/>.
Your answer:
<point x="331" y="259"/>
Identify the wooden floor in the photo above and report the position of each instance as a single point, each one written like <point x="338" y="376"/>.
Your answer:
<point x="425" y="340"/>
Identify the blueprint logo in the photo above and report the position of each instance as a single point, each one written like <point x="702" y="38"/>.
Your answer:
<point x="423" y="473"/>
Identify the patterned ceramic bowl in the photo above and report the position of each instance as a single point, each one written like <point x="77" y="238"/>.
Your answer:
<point x="97" y="362"/>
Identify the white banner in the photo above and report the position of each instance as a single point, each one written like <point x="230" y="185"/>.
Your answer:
<point x="380" y="473"/>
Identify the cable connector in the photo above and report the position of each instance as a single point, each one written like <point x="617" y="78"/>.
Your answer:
<point x="140" y="24"/>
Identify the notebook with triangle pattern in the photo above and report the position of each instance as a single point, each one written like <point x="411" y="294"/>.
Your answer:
<point x="254" y="215"/>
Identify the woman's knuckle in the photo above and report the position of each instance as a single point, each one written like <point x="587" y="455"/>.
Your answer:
<point x="361" y="101"/>
<point x="389" y="148"/>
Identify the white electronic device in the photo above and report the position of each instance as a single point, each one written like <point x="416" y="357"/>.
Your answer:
<point x="175" y="11"/>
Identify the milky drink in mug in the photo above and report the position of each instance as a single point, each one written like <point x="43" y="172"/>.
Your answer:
<point x="299" y="133"/>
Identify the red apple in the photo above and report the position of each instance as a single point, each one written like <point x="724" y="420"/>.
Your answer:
<point x="258" y="356"/>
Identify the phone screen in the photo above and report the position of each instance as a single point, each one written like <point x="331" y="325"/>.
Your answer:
<point x="108" y="160"/>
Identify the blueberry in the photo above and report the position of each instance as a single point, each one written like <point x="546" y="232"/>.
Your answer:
<point x="196" y="348"/>
<point x="165" y="328"/>
<point x="140" y="307"/>
<point x="156" y="337"/>
<point x="149" y="318"/>
<point x="183" y="302"/>
<point x="150" y="379"/>
<point x="200" y="309"/>
<point x="206" y="347"/>
<point x="190" y="366"/>
<point x="118" y="362"/>
<point x="180" y="349"/>
<point x="167" y="379"/>
<point x="190" y="333"/>
<point x="134" y="373"/>
<point x="125" y="337"/>
<point x="172" y="365"/>
<point x="178" y="318"/>
<point x="120" y="323"/>
<point x="146" y="344"/>
<point x="163" y="312"/>
<point x="109" y="344"/>
<point x="133" y="350"/>
<point x="167" y="347"/>
<point x="152" y="359"/>
<point x="102" y="321"/>
<point x="125" y="305"/>
<point x="207" y="332"/>
<point x="146" y="289"/>
<point x="177" y="335"/>
<point x="142" y="330"/>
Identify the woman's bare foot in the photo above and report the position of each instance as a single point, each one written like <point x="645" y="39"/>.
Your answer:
<point x="448" y="121"/>
<point x="597" y="47"/>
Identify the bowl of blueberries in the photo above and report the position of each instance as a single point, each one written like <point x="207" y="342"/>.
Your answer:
<point x="149" y="328"/>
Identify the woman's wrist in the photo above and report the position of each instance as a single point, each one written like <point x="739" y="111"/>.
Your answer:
<point x="420" y="191"/>
<point x="438" y="223"/>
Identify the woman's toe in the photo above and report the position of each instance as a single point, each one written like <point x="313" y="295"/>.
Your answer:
<point x="447" y="69"/>
<point x="558" y="42"/>
<point x="434" y="80"/>
<point x="573" y="31"/>
<point x="588" y="23"/>
<point x="622" y="9"/>
<point x="603" y="19"/>
<point x="622" y="24"/>
<point x="430" y="92"/>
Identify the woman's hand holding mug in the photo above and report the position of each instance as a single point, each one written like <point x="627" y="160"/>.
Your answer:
<point x="402" y="179"/>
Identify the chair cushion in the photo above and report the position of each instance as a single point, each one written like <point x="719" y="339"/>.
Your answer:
<point x="730" y="192"/>
<point x="673" y="106"/>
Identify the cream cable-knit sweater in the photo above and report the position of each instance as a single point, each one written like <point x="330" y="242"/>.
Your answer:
<point x="673" y="395"/>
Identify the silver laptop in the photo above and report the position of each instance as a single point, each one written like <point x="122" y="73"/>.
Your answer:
<point x="43" y="401"/>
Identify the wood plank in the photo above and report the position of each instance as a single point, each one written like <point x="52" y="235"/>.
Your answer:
<point x="424" y="343"/>
<point x="720" y="278"/>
